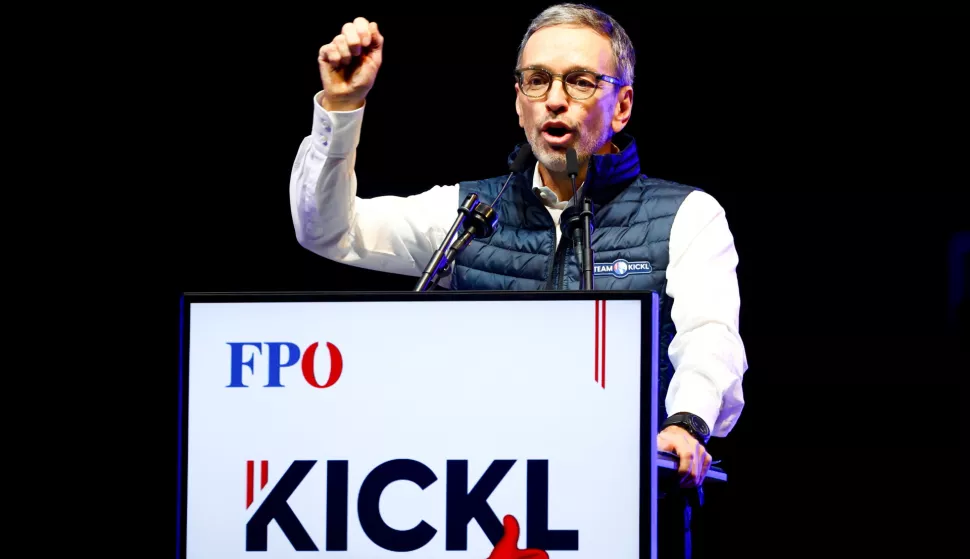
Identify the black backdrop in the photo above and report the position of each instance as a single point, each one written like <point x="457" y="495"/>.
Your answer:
<point x="812" y="134"/>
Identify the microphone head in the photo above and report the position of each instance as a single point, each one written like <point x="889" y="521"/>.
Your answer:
<point x="572" y="163"/>
<point x="521" y="158"/>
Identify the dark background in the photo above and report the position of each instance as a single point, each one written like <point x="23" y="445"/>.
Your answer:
<point x="824" y="139"/>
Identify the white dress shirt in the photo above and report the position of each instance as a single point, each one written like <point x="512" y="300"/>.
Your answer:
<point x="399" y="234"/>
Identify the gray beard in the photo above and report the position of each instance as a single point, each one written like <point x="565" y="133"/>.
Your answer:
<point x="555" y="161"/>
<point x="552" y="160"/>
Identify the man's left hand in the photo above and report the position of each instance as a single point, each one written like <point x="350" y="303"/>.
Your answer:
<point x="694" y="459"/>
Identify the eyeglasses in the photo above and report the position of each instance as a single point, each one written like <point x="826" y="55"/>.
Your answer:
<point x="581" y="84"/>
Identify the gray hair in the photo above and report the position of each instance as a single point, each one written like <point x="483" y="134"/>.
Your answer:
<point x="580" y="14"/>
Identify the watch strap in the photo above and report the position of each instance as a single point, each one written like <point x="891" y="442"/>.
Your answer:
<point x="691" y="423"/>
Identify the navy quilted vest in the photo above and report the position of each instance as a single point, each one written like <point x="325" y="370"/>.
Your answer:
<point x="633" y="216"/>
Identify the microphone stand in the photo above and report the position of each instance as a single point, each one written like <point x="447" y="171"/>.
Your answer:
<point x="586" y="217"/>
<point x="476" y="220"/>
<point x="580" y="227"/>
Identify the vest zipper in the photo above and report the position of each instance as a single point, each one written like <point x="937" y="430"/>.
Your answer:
<point x="561" y="264"/>
<point x="557" y="272"/>
<point x="551" y="282"/>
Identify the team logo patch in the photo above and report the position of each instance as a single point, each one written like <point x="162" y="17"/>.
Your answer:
<point x="621" y="268"/>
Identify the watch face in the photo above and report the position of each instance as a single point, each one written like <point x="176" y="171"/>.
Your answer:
<point x="697" y="426"/>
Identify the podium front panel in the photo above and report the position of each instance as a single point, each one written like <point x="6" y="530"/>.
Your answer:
<point x="381" y="425"/>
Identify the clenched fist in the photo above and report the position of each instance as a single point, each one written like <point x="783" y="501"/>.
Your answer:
<point x="349" y="65"/>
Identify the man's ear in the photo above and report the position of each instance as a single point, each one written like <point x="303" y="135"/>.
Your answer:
<point x="518" y="106"/>
<point x="623" y="109"/>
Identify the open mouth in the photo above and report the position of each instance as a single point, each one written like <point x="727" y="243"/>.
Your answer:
<point x="557" y="134"/>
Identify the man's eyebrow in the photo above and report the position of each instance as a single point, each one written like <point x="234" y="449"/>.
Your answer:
<point x="568" y="70"/>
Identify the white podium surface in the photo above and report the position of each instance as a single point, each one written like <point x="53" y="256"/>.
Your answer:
<point x="381" y="428"/>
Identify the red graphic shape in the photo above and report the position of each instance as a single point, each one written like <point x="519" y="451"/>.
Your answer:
<point x="596" y="355"/>
<point x="603" y="355"/>
<point x="507" y="547"/>
<point x="249" y="483"/>
<point x="599" y="357"/>
<point x="251" y="478"/>
<point x="336" y="365"/>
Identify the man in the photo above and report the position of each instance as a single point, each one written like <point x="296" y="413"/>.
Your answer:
<point x="574" y="88"/>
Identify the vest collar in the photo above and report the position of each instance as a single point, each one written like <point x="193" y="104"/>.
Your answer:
<point x="607" y="174"/>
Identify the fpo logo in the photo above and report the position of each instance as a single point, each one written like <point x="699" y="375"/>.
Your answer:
<point x="273" y="357"/>
<point x="462" y="506"/>
<point x="621" y="268"/>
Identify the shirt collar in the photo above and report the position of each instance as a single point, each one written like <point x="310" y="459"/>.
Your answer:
<point x="544" y="193"/>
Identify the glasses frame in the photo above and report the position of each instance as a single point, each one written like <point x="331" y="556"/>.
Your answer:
<point x="562" y="77"/>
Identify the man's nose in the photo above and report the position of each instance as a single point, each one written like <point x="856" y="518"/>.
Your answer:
<point x="556" y="100"/>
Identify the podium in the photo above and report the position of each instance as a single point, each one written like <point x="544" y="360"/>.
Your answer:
<point x="372" y="425"/>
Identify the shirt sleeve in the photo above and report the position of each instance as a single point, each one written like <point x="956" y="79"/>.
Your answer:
<point x="388" y="233"/>
<point x="707" y="351"/>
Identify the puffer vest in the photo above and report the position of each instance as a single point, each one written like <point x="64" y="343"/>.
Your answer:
<point x="633" y="215"/>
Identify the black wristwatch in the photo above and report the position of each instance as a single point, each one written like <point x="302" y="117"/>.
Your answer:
<point x="690" y="423"/>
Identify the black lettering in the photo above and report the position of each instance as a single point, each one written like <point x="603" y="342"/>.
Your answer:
<point x="368" y="505"/>
<point x="462" y="505"/>
<point x="276" y="508"/>
<point x="539" y="536"/>
<point x="337" y="489"/>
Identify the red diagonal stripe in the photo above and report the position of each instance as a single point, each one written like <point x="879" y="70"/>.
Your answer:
<point x="249" y="482"/>
<point x="263" y="474"/>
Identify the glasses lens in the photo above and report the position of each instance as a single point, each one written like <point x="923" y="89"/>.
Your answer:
<point x="580" y="84"/>
<point x="534" y="82"/>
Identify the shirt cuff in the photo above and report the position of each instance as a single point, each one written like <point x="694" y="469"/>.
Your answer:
<point x="700" y="399"/>
<point x="335" y="132"/>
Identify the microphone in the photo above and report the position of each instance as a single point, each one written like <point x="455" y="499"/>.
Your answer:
<point x="517" y="166"/>
<point x="481" y="222"/>
<point x="476" y="219"/>
<point x="572" y="168"/>
<point x="576" y="223"/>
